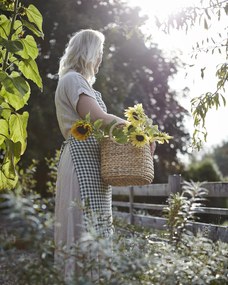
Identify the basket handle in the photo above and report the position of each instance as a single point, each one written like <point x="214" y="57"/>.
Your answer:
<point x="111" y="130"/>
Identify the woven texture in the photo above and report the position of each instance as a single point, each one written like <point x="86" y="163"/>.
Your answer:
<point x="125" y="164"/>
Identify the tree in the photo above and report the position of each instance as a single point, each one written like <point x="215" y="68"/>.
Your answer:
<point x="204" y="170"/>
<point x="205" y="13"/>
<point x="18" y="51"/>
<point x="220" y="155"/>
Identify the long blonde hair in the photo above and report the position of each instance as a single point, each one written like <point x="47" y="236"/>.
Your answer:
<point x="82" y="53"/>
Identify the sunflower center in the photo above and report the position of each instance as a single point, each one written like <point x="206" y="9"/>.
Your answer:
<point x="130" y="127"/>
<point x="140" y="138"/>
<point x="135" y="116"/>
<point x="82" y="129"/>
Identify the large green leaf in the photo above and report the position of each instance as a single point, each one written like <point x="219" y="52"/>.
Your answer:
<point x="10" y="82"/>
<point x="32" y="28"/>
<point x="4" y="133"/>
<point x="30" y="70"/>
<point x="4" y="26"/>
<point x="5" y="110"/>
<point x="18" y="29"/>
<point x="20" y="83"/>
<point x="18" y="132"/>
<point x="16" y="100"/>
<point x="29" y="48"/>
<point x="16" y="90"/>
<point x="11" y="46"/>
<point x="34" y="16"/>
<point x="7" y="182"/>
<point x="8" y="172"/>
<point x="7" y="83"/>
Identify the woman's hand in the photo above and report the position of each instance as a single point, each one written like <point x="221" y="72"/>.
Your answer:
<point x="152" y="148"/>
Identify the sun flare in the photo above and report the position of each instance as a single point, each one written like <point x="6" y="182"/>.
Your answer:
<point x="161" y="8"/>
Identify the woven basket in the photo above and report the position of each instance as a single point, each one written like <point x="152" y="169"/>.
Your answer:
<point x="125" y="164"/>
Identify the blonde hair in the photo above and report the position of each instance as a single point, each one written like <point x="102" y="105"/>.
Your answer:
<point x="82" y="52"/>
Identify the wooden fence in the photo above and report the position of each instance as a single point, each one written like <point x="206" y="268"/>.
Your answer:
<point x="174" y="185"/>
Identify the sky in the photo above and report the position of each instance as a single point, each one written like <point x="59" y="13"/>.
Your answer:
<point x="179" y="43"/>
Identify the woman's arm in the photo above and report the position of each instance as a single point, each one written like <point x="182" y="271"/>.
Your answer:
<point x="87" y="104"/>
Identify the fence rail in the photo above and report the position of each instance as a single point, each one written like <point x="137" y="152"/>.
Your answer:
<point x="174" y="185"/>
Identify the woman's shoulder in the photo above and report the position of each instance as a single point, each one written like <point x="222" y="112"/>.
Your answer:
<point x="73" y="75"/>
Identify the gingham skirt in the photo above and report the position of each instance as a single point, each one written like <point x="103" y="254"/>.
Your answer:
<point x="96" y="197"/>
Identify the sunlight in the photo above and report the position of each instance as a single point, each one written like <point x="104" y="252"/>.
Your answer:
<point x="160" y="8"/>
<point x="179" y="43"/>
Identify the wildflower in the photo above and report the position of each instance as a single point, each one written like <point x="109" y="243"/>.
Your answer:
<point x="138" y="138"/>
<point x="135" y="115"/>
<point x="161" y="137"/>
<point x="81" y="130"/>
<point x="128" y="128"/>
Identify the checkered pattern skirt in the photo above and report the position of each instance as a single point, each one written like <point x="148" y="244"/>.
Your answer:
<point x="96" y="197"/>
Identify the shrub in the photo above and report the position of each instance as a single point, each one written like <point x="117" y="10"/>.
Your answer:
<point x="134" y="256"/>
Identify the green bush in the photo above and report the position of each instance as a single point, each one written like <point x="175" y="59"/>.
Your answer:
<point x="134" y="256"/>
<point x="205" y="170"/>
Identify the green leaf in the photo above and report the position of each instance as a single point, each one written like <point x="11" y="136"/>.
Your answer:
<point x="87" y="118"/>
<point x="4" y="133"/>
<point x="226" y="9"/>
<point x="30" y="70"/>
<point x="20" y="84"/>
<point x="16" y="100"/>
<point x="7" y="83"/>
<point x="11" y="46"/>
<point x="16" y="89"/>
<point x="8" y="169"/>
<point x="5" y="111"/>
<point x="6" y="182"/>
<point x="5" y="24"/>
<point x="18" y="29"/>
<point x="208" y="16"/>
<point x="34" y="16"/>
<point x="18" y="132"/>
<point x="29" y="48"/>
<point x="98" y="123"/>
<point x="32" y="28"/>
<point x="3" y="75"/>
<point x="223" y="99"/>
<point x="202" y="72"/>
<point x="205" y="24"/>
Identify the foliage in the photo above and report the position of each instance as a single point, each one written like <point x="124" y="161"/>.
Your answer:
<point x="182" y="208"/>
<point x="203" y="170"/>
<point x="18" y="51"/>
<point x="220" y="155"/>
<point x="203" y="14"/>
<point x="52" y="164"/>
<point x="134" y="256"/>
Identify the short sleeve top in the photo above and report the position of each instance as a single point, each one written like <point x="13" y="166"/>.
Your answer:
<point x="69" y="87"/>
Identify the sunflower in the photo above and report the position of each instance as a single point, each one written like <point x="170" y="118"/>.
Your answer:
<point x="161" y="137"/>
<point x="128" y="128"/>
<point x="138" y="138"/>
<point x="135" y="115"/>
<point x="81" y="130"/>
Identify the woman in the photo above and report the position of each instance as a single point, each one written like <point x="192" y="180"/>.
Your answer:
<point x="83" y="201"/>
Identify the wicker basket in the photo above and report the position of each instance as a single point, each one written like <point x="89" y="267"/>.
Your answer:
<point x="125" y="164"/>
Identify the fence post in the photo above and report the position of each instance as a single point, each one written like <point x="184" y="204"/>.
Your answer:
<point x="174" y="182"/>
<point x="131" y="201"/>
